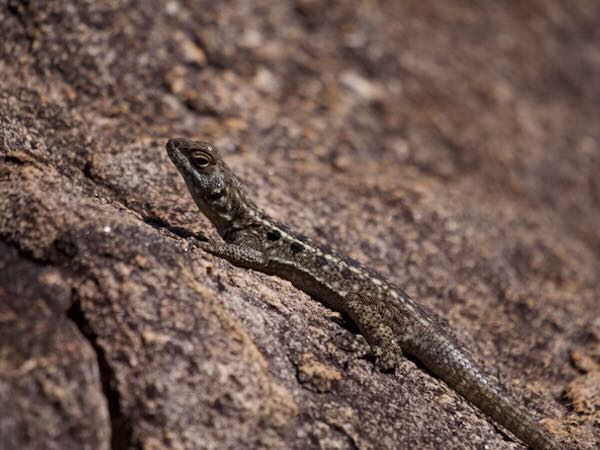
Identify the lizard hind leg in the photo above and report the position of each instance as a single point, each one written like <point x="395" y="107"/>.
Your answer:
<point x="377" y="328"/>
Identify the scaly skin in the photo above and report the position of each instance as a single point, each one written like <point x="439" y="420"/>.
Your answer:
<point x="387" y="317"/>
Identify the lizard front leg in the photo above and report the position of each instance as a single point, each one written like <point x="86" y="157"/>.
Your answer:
<point x="240" y="255"/>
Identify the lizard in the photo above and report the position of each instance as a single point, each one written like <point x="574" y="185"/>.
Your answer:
<point x="392" y="323"/>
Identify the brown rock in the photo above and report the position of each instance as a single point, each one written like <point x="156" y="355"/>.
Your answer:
<point x="453" y="146"/>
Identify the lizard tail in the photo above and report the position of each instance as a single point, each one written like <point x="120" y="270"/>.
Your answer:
<point x="448" y="362"/>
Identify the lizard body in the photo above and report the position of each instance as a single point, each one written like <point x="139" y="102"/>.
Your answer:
<point x="388" y="318"/>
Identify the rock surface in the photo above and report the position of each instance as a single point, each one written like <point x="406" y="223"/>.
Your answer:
<point x="453" y="146"/>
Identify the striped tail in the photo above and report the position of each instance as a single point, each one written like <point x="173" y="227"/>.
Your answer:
<point x="448" y="362"/>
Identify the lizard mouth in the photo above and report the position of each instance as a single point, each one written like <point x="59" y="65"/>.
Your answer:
<point x="173" y="147"/>
<point x="175" y="153"/>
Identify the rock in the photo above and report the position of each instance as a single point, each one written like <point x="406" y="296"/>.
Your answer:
<point x="454" y="148"/>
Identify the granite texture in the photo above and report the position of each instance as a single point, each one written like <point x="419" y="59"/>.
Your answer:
<point x="452" y="146"/>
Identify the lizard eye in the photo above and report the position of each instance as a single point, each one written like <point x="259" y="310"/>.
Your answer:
<point x="202" y="160"/>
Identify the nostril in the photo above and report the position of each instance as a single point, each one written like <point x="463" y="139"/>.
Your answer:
<point x="175" y="143"/>
<point x="180" y="144"/>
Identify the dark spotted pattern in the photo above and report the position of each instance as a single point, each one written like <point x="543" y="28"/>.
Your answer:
<point x="320" y="261"/>
<point x="273" y="235"/>
<point x="346" y="273"/>
<point x="296" y="247"/>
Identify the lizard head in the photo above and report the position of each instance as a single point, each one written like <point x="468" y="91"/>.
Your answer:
<point x="214" y="187"/>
